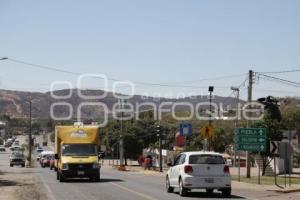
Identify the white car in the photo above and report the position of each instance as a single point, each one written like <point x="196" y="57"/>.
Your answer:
<point x="199" y="170"/>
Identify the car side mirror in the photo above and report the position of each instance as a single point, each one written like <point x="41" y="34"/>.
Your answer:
<point x="170" y="164"/>
<point x="56" y="156"/>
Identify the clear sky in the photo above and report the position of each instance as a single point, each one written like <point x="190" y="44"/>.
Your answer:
<point x="174" y="42"/>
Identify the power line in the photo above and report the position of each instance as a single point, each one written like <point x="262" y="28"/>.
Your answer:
<point x="293" y="83"/>
<point x="114" y="79"/>
<point x="280" y="72"/>
<point x="207" y="79"/>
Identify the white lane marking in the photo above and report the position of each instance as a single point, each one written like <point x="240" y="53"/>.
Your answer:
<point x="134" y="192"/>
<point x="50" y="193"/>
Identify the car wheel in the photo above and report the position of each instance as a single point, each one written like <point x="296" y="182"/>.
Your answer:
<point x="168" y="187"/>
<point x="226" y="193"/>
<point x="209" y="191"/>
<point x="23" y="165"/>
<point x="182" y="191"/>
<point x="43" y="166"/>
<point x="11" y="165"/>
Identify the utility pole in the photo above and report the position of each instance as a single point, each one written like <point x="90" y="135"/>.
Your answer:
<point x="250" y="87"/>
<point x="29" y="136"/>
<point x="121" y="148"/>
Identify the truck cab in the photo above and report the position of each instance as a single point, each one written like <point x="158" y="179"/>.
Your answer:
<point x="76" y="152"/>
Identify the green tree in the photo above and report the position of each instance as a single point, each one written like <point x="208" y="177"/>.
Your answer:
<point x="272" y="123"/>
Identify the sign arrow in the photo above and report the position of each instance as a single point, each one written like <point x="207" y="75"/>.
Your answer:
<point x="261" y="140"/>
<point x="274" y="147"/>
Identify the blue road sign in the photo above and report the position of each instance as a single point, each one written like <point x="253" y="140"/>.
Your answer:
<point x="185" y="129"/>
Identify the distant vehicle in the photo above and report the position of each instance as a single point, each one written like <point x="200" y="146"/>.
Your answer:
<point x="38" y="157"/>
<point x="39" y="150"/>
<point x="44" y="155"/>
<point x="2" y="149"/>
<point x="7" y="144"/>
<point x="11" y="140"/>
<point x="199" y="170"/>
<point x="16" y="143"/>
<point x="46" y="160"/>
<point x="15" y="148"/>
<point x="17" y="158"/>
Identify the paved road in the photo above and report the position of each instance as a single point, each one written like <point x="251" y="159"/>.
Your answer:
<point x="116" y="185"/>
<point x="127" y="186"/>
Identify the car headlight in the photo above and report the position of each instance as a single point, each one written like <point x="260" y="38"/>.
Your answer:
<point x="96" y="165"/>
<point x="65" y="166"/>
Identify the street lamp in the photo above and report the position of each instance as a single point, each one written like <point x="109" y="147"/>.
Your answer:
<point x="210" y="90"/>
<point x="237" y="90"/>
<point x="30" y="134"/>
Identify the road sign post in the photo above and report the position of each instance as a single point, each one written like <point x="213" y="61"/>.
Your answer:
<point x="186" y="129"/>
<point x="251" y="140"/>
<point x="206" y="132"/>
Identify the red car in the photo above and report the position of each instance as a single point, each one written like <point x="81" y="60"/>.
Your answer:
<point x="47" y="160"/>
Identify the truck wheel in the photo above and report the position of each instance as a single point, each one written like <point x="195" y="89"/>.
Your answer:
<point x="209" y="191"/>
<point x="61" y="178"/>
<point x="97" y="178"/>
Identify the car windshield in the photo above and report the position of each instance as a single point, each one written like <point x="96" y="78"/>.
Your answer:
<point x="79" y="150"/>
<point x="206" y="159"/>
<point x="18" y="156"/>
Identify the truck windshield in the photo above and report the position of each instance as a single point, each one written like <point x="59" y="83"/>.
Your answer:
<point x="79" y="150"/>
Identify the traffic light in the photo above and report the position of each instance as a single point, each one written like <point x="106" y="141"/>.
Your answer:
<point x="272" y="107"/>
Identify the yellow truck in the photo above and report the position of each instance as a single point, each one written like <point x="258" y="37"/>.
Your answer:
<point x="76" y="152"/>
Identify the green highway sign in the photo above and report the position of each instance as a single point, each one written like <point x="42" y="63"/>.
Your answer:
<point x="251" y="147"/>
<point x="250" y="139"/>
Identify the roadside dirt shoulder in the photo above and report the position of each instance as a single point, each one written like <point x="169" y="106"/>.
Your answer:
<point x="21" y="185"/>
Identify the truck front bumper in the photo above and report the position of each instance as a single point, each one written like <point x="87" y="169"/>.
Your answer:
<point x="81" y="174"/>
<point x="80" y="171"/>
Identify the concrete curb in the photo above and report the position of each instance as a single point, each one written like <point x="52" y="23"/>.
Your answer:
<point x="286" y="191"/>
